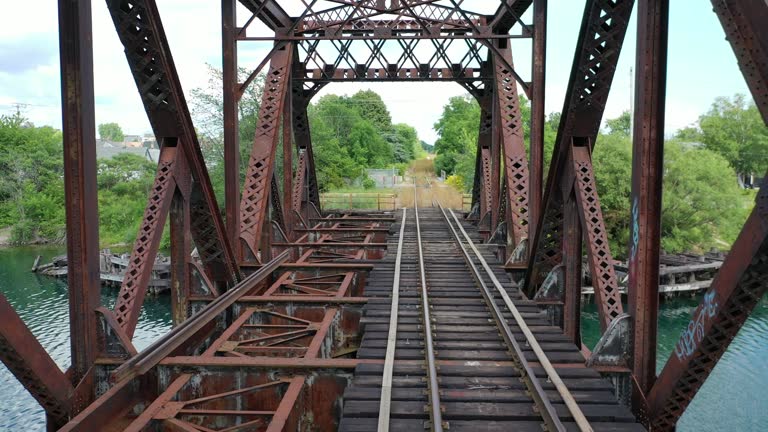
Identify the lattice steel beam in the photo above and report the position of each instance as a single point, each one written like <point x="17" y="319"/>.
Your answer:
<point x="141" y="32"/>
<point x="255" y="198"/>
<point x="277" y="203"/>
<point x="600" y="40"/>
<point x="302" y="93"/>
<point x="738" y="286"/>
<point x="744" y="25"/>
<point x="598" y="251"/>
<point x="488" y="193"/>
<point x="422" y="15"/>
<point x="139" y="270"/>
<point x="513" y="146"/>
<point x="298" y="195"/>
<point x="383" y="59"/>
<point x="743" y="278"/>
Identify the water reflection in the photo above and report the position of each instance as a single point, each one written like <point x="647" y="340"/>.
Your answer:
<point x="733" y="398"/>
<point x="42" y="304"/>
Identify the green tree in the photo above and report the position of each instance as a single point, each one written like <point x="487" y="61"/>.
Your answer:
<point x="124" y="183"/>
<point x="353" y="133"/>
<point x="32" y="189"/>
<point x="689" y="134"/>
<point x="702" y="202"/>
<point x="405" y="143"/>
<point x="457" y="131"/>
<point x="701" y="198"/>
<point x="369" y="105"/>
<point x="207" y="109"/>
<point x="612" y="162"/>
<point x="734" y="129"/>
<point x="620" y="125"/>
<point x="111" y="132"/>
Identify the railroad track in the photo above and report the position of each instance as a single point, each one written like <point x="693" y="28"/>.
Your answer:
<point x="458" y="353"/>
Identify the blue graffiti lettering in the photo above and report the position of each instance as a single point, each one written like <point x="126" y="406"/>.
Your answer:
<point x="694" y="332"/>
<point x="635" y="230"/>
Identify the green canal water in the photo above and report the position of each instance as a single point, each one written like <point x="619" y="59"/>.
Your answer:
<point x="735" y="398"/>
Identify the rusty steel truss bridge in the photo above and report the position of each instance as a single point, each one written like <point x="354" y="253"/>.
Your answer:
<point x="290" y="317"/>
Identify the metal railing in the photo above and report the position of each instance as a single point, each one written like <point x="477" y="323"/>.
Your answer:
<point x="358" y="201"/>
<point x="466" y="202"/>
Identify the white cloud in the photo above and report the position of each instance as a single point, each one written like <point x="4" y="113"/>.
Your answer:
<point x="193" y="30"/>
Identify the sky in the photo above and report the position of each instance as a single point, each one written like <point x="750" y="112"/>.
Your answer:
<point x="701" y="63"/>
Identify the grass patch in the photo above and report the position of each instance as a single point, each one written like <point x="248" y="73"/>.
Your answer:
<point x="359" y="199"/>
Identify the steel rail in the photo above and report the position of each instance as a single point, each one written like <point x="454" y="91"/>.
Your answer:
<point x="549" y="413"/>
<point x="547" y="410"/>
<point x="435" y="412"/>
<point x="389" y="358"/>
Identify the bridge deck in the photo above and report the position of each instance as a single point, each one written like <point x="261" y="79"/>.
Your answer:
<point x="302" y="344"/>
<point x="480" y="384"/>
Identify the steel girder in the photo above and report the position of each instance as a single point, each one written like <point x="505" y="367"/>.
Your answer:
<point x="508" y="14"/>
<point x="421" y="16"/>
<point x="231" y="129"/>
<point x="255" y="199"/>
<point x="139" y="271"/>
<point x="646" y="198"/>
<point x="141" y="32"/>
<point x="302" y="93"/>
<point x="510" y="127"/>
<point x="743" y="278"/>
<point x="28" y="361"/>
<point x="489" y="190"/>
<point x="744" y="25"/>
<point x="400" y="61"/>
<point x="738" y="286"/>
<point x="602" y="33"/>
<point x="269" y="12"/>
<point x="299" y="193"/>
<point x="599" y="255"/>
<point x="288" y="152"/>
<point x="80" y="189"/>
<point x="538" y="96"/>
<point x="278" y="214"/>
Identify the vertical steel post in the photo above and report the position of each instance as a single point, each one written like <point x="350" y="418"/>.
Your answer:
<point x="535" y="184"/>
<point x="231" y="130"/>
<point x="180" y="251"/>
<point x="572" y="244"/>
<point x="79" y="136"/>
<point x="647" y="174"/>
<point x="288" y="163"/>
<point x="180" y="220"/>
<point x="496" y="140"/>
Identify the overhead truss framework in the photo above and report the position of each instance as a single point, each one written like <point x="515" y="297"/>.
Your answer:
<point x="374" y="40"/>
<point x="265" y="310"/>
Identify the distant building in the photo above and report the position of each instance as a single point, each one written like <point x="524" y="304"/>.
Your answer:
<point x="149" y="141"/>
<point x="132" y="141"/>
<point x="746" y="181"/>
<point x="750" y="181"/>
<point x="384" y="177"/>
<point x="107" y="150"/>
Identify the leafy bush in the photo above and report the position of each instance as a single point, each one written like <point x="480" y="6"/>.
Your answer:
<point x="456" y="181"/>
<point x="369" y="183"/>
